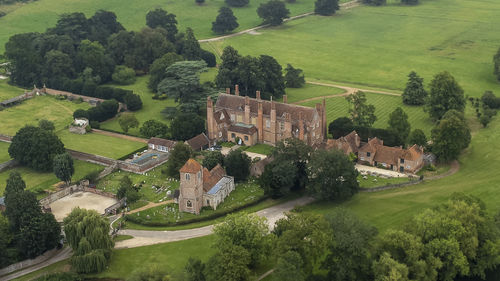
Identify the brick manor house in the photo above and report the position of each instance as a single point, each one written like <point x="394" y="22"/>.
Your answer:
<point x="254" y="120"/>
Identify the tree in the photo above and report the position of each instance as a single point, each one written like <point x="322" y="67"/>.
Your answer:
<point x="161" y="18"/>
<point x="417" y="137"/>
<point x="237" y="3"/>
<point x="225" y="21"/>
<point x="57" y="65"/>
<point x="88" y="235"/>
<point x="398" y="123"/>
<point x="332" y="176"/>
<point x="123" y="75"/>
<point x="387" y="269"/>
<point x="81" y="113"/>
<point x="212" y="159"/>
<point x="445" y="95"/>
<point x="35" y="148"/>
<point x="489" y="99"/>
<point x="278" y="178"/>
<point x="298" y="153"/>
<point x="274" y="82"/>
<point x="273" y="12"/>
<point x="46" y="125"/>
<point x="92" y="56"/>
<point x="191" y="49"/>
<point x="195" y="270"/>
<point x="294" y="77"/>
<point x="128" y="121"/>
<point x="25" y="60"/>
<point x="64" y="167"/>
<point x="484" y="120"/>
<point x="102" y="24"/>
<point x="361" y="113"/>
<point x="350" y="248"/>
<point x="414" y="93"/>
<point x="228" y="264"/>
<point x="178" y="157"/>
<point x="450" y="136"/>
<point x="248" y="231"/>
<point x="127" y="190"/>
<point x="186" y="126"/>
<point x="409" y="2"/>
<point x="308" y="235"/>
<point x="289" y="267"/>
<point x="132" y="101"/>
<point x="326" y="7"/>
<point x="153" y="128"/>
<point x="158" y="68"/>
<point x="340" y="127"/>
<point x="182" y="81"/>
<point x="147" y="45"/>
<point x="6" y="237"/>
<point x="496" y="62"/>
<point x="237" y="164"/>
<point x="227" y="76"/>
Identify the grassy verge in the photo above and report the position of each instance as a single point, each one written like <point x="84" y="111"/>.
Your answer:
<point x="260" y="148"/>
<point x="61" y="266"/>
<point x="372" y="181"/>
<point x="310" y="91"/>
<point x="8" y="91"/>
<point x="39" y="182"/>
<point x="118" y="238"/>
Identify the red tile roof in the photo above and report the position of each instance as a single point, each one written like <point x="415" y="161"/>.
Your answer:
<point x="210" y="178"/>
<point x="198" y="142"/>
<point x="191" y="166"/>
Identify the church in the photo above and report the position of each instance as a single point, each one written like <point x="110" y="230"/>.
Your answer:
<point x="254" y="120"/>
<point x="200" y="187"/>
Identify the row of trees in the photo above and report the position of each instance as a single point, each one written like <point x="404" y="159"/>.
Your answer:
<point x="25" y="231"/>
<point x="327" y="175"/>
<point x="457" y="238"/>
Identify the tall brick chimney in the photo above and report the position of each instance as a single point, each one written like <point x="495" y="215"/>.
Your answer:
<point x="301" y="127"/>
<point x="273" y="120"/>
<point x="285" y="99"/>
<point x="260" y="123"/>
<point x="237" y="89"/>
<point x="257" y="94"/>
<point x="210" y="119"/>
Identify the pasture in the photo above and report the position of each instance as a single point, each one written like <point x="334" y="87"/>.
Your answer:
<point x="37" y="16"/>
<point x="379" y="46"/>
<point x="8" y="91"/>
<point x="37" y="181"/>
<point x="151" y="109"/>
<point x="308" y="91"/>
<point x="29" y="112"/>
<point x="4" y="152"/>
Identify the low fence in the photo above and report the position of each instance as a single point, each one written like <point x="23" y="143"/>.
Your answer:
<point x="391" y="186"/>
<point x="5" y="138"/>
<point x="59" y="194"/>
<point x="98" y="192"/>
<point x="27" y="263"/>
<point x="9" y="164"/>
<point x="96" y="159"/>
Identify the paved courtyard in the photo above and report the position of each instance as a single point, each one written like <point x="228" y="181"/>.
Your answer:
<point x="85" y="200"/>
<point x="389" y="173"/>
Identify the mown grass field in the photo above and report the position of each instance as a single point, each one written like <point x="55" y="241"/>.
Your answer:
<point x="37" y="16"/>
<point x="94" y="143"/>
<point x="37" y="181"/>
<point x="379" y="46"/>
<point x="31" y="111"/>
<point x="151" y="109"/>
<point x="8" y="91"/>
<point x="310" y="91"/>
<point x="384" y="105"/>
<point x="4" y="151"/>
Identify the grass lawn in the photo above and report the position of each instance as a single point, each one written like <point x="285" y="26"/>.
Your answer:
<point x="33" y="110"/>
<point x="384" y="105"/>
<point x="132" y="14"/>
<point x="111" y="183"/>
<point x="372" y="181"/>
<point x="260" y="148"/>
<point x="107" y="146"/>
<point x="38" y="182"/>
<point x="310" y="91"/>
<point x="379" y="46"/>
<point x="243" y="194"/>
<point x="150" y="108"/>
<point x="478" y="176"/>
<point x="4" y="151"/>
<point x="8" y="91"/>
<point x="61" y="266"/>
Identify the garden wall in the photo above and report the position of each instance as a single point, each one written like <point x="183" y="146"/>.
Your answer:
<point x="60" y="194"/>
<point x="391" y="186"/>
<point x="5" y="138"/>
<point x="87" y="157"/>
<point x="28" y="263"/>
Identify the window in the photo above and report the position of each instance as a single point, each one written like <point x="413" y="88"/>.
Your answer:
<point x="232" y="117"/>
<point x="189" y="204"/>
<point x="282" y="126"/>
<point x="246" y="138"/>
<point x="188" y="177"/>
<point x="220" y="134"/>
<point x="208" y="202"/>
<point x="233" y="135"/>
<point x="402" y="160"/>
<point x="199" y="175"/>
<point x="368" y="154"/>
<point x="268" y="123"/>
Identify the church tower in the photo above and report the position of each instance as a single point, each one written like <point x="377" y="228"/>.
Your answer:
<point x="191" y="187"/>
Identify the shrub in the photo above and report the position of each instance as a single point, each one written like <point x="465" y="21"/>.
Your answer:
<point x="123" y="75"/>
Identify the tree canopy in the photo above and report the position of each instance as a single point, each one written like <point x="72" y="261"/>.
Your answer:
<point x="178" y="157"/>
<point x="182" y="80"/>
<point x="186" y="126"/>
<point x="153" y="128"/>
<point x="326" y="7"/>
<point x="445" y="95"/>
<point x="414" y="93"/>
<point x="361" y="113"/>
<point x="273" y="12"/>
<point x="225" y="21"/>
<point x="398" y="123"/>
<point x="128" y="121"/>
<point x="237" y="164"/>
<point x="237" y="3"/>
<point x="450" y="136"/>
<point x="417" y="137"/>
<point x="294" y="77"/>
<point x="161" y="18"/>
<point x="64" y="167"/>
<point x="158" y="69"/>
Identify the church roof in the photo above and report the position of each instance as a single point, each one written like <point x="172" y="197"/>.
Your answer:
<point x="191" y="166"/>
<point x="210" y="178"/>
<point x="223" y="181"/>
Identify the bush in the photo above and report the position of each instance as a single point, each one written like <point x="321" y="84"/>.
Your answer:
<point x="208" y="57"/>
<point x="132" y="101"/>
<point x="95" y="124"/>
<point x="123" y="75"/>
<point x="92" y="176"/>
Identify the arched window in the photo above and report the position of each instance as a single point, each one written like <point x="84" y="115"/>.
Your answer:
<point x="189" y="204"/>
<point x="187" y="177"/>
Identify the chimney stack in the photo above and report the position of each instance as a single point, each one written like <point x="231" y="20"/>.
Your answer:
<point x="257" y="94"/>
<point x="237" y="89"/>
<point x="228" y="91"/>
<point x="285" y="99"/>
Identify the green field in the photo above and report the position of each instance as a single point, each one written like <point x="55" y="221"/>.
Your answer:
<point x="372" y="181"/>
<point x="259" y="148"/>
<point x="39" y="15"/>
<point x="37" y="181"/>
<point x="311" y="91"/>
<point x="4" y="152"/>
<point x="7" y="91"/>
<point x="379" y="46"/>
<point x="31" y="111"/>
<point x="94" y="143"/>
<point x="384" y="105"/>
<point x="151" y="109"/>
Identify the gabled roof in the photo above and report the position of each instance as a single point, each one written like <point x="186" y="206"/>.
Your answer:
<point x="219" y="184"/>
<point x="388" y="155"/>
<point x="413" y="153"/>
<point x="243" y="129"/>
<point x="198" y="142"/>
<point x="162" y="142"/>
<point x="222" y="116"/>
<point x="191" y="166"/>
<point x="210" y="178"/>
<point x="371" y="145"/>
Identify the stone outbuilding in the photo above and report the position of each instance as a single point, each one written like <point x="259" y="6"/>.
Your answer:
<point x="162" y="145"/>
<point x="79" y="126"/>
